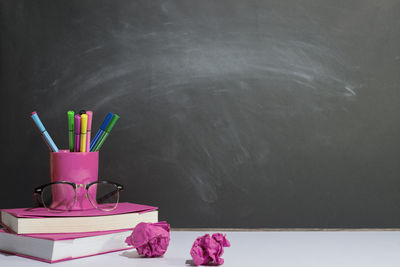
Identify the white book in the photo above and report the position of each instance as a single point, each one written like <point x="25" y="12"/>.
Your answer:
<point x="60" y="247"/>
<point x="33" y="221"/>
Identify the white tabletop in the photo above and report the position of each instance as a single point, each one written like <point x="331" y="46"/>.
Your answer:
<point x="270" y="249"/>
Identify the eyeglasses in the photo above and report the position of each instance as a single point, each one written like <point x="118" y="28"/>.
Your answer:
<point x="61" y="196"/>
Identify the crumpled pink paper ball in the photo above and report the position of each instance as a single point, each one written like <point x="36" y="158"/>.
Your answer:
<point x="209" y="249"/>
<point x="150" y="239"/>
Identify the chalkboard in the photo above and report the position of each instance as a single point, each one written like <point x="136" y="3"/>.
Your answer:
<point x="256" y="113"/>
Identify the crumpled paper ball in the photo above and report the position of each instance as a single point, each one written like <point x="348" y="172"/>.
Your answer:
<point x="150" y="239"/>
<point x="209" y="249"/>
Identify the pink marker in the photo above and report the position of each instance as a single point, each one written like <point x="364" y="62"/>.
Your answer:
<point x="77" y="132"/>
<point x="89" y="129"/>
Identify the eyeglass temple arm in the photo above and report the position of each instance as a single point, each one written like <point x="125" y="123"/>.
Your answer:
<point x="107" y="196"/>
<point x="37" y="200"/>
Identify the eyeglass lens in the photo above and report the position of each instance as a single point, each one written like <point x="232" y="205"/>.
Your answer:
<point x="58" y="197"/>
<point x="103" y="195"/>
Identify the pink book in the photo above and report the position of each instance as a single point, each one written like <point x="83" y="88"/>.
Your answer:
<point x="61" y="247"/>
<point x="40" y="220"/>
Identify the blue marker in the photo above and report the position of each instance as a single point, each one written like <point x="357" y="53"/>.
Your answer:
<point x="43" y="131"/>
<point x="101" y="130"/>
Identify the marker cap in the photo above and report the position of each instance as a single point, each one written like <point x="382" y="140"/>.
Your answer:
<point x="106" y="121"/>
<point x="112" y="123"/>
<point x="71" y="115"/>
<point x="89" y="120"/>
<point x="77" y="124"/>
<point x="38" y="122"/>
<point x="84" y="119"/>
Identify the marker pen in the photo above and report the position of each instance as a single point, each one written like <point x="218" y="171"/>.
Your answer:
<point x="71" y="136"/>
<point x="43" y="131"/>
<point x="77" y="132"/>
<point x="106" y="132"/>
<point x="101" y="130"/>
<point x="84" y="119"/>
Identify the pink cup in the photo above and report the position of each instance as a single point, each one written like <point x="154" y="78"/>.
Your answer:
<point x="76" y="167"/>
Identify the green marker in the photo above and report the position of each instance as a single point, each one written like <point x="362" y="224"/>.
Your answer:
<point x="106" y="132"/>
<point x="71" y="128"/>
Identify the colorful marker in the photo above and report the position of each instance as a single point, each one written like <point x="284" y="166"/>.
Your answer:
<point x="101" y="130"/>
<point x="84" y="119"/>
<point x="77" y="132"/>
<point x="106" y="132"/>
<point x="89" y="129"/>
<point x="71" y="138"/>
<point x="43" y="131"/>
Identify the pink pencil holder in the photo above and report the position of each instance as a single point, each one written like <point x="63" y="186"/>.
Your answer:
<point x="76" y="167"/>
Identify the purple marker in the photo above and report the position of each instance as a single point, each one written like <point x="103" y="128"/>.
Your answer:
<point x="77" y="132"/>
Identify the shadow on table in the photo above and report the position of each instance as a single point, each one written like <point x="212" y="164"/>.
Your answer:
<point x="171" y="261"/>
<point x="6" y="253"/>
<point x="131" y="254"/>
<point x="190" y="263"/>
<point x="134" y="255"/>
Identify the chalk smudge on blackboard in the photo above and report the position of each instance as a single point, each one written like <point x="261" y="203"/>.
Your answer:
<point x="350" y="90"/>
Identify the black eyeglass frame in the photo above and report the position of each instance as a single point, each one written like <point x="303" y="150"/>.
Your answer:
<point x="37" y="192"/>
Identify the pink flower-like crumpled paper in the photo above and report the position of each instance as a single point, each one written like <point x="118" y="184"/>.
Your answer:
<point x="207" y="249"/>
<point x="150" y="239"/>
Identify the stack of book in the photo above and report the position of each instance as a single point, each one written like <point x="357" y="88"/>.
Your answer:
<point x="52" y="237"/>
